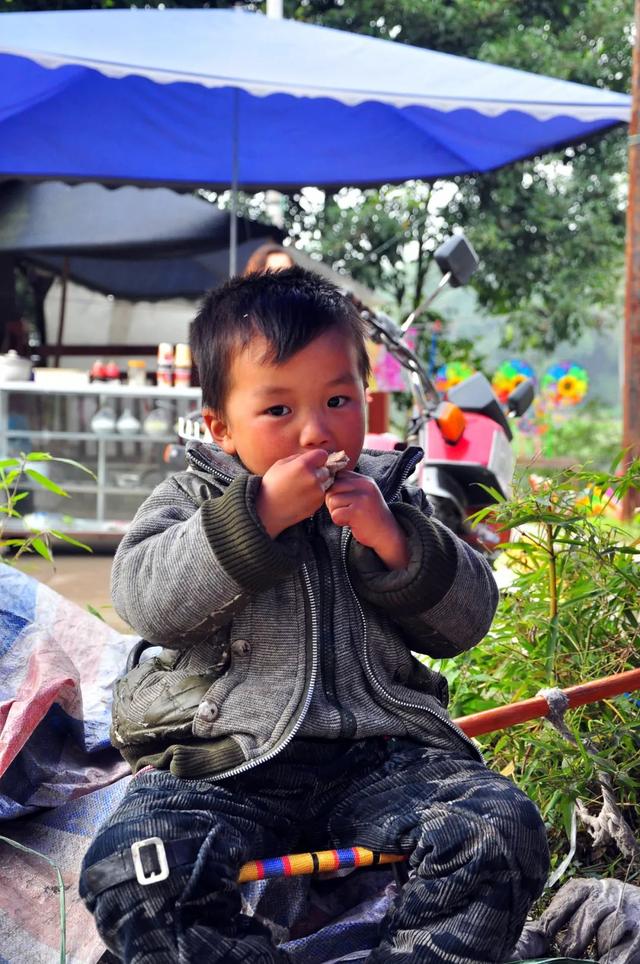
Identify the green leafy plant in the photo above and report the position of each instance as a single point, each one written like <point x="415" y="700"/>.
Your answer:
<point x="14" y="472"/>
<point x="569" y="615"/>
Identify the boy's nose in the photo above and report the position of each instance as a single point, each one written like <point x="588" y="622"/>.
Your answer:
<point x="314" y="433"/>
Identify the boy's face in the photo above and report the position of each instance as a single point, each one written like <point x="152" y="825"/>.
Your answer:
<point x="315" y="400"/>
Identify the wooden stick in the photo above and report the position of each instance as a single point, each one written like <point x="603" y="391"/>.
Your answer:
<point x="504" y="716"/>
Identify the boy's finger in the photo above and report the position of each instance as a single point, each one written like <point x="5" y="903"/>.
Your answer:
<point x="337" y="502"/>
<point x="348" y="485"/>
<point x="340" y="517"/>
<point x="313" y="459"/>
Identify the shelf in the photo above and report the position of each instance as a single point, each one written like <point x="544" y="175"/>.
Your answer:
<point x="161" y="392"/>
<point x="85" y="530"/>
<point x="43" y="435"/>
<point x="106" y="453"/>
<point x="90" y="489"/>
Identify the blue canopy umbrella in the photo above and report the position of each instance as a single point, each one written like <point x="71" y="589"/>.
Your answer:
<point x="208" y="97"/>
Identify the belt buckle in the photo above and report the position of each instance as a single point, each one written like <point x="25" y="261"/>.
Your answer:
<point x="161" y="856"/>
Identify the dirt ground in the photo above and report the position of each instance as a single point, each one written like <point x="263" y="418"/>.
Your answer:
<point x="80" y="577"/>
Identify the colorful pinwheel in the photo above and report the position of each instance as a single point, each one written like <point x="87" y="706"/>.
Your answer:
<point x="509" y="376"/>
<point x="564" y="384"/>
<point x="449" y="375"/>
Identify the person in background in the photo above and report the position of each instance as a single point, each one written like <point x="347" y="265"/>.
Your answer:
<point x="268" y="257"/>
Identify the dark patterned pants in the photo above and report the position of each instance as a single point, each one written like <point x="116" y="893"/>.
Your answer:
<point x="478" y="850"/>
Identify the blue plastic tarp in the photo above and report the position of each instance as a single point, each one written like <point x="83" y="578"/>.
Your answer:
<point x="174" y="96"/>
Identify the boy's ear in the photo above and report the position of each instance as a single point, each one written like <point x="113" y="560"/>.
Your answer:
<point x="220" y="431"/>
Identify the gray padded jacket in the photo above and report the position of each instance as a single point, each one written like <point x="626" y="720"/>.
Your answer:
<point x="254" y="654"/>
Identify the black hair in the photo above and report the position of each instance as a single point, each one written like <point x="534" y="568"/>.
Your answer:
<point x="289" y="308"/>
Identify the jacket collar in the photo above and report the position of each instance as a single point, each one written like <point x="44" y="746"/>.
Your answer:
<point x="389" y="469"/>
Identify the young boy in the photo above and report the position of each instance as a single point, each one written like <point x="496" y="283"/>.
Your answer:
<point x="287" y="711"/>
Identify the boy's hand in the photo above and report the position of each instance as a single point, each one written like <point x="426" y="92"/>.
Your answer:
<point x="292" y="490"/>
<point x="356" y="501"/>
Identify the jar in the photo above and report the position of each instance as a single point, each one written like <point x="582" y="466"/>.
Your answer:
<point x="104" y="421"/>
<point x="127" y="424"/>
<point x="136" y="371"/>
<point x="14" y="368"/>
<point x="157" y="422"/>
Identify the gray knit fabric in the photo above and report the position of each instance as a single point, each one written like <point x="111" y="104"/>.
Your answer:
<point x="306" y="634"/>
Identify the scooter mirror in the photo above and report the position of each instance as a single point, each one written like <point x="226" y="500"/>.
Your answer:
<point x="456" y="257"/>
<point x="521" y="398"/>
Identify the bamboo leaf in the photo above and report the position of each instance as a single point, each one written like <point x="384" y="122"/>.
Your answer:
<point x="10" y="477"/>
<point x="46" y="483"/>
<point x="76" y="465"/>
<point x="70" y="540"/>
<point x="41" y="548"/>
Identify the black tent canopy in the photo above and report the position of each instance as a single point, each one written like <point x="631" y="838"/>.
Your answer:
<point x="133" y="243"/>
<point x="89" y="220"/>
<point x="149" y="279"/>
<point x="136" y="244"/>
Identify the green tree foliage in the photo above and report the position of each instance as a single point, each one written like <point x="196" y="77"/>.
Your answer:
<point x="550" y="234"/>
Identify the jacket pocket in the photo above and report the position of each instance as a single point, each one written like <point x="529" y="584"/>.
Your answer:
<point x="160" y="697"/>
<point x="218" y="692"/>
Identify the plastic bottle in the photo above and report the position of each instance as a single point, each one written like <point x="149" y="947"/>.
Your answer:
<point x="165" y="364"/>
<point x="182" y="371"/>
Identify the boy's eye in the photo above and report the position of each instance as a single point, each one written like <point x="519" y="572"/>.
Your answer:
<point x="337" y="401"/>
<point x="278" y="410"/>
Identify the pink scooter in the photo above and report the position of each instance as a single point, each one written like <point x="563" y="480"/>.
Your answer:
<point x="466" y="437"/>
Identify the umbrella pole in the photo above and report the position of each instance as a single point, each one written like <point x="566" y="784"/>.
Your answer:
<point x="63" y="306"/>
<point x="233" y="227"/>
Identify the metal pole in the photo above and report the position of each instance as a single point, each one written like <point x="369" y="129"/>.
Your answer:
<point x="274" y="9"/>
<point x="63" y="305"/>
<point x="233" y="232"/>
<point x="273" y="199"/>
<point x="631" y="369"/>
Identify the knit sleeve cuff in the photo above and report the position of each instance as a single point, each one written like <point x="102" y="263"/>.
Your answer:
<point x="433" y="561"/>
<point x="241" y="543"/>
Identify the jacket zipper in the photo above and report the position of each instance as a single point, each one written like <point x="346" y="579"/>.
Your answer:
<point x="327" y="658"/>
<point x="209" y="469"/>
<point x="406" y="472"/>
<point x="274" y="751"/>
<point x="407" y="469"/>
<point x="369" y="669"/>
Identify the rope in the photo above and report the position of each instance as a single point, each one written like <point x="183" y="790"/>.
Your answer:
<point x="610" y="825"/>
